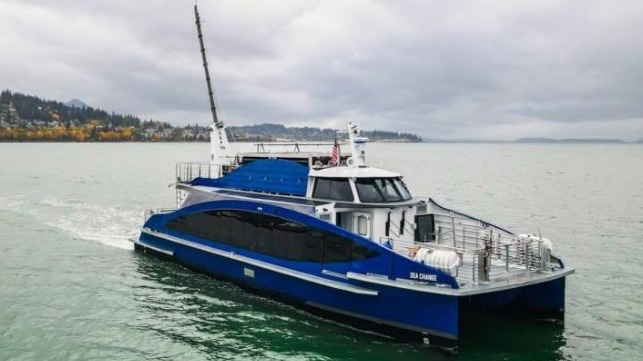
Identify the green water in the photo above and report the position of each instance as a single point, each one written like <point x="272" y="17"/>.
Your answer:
<point x="72" y="288"/>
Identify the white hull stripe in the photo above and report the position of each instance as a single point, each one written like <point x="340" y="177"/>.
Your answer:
<point x="155" y="249"/>
<point x="531" y="279"/>
<point x="259" y="264"/>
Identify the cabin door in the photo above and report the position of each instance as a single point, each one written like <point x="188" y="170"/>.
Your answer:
<point x="362" y="224"/>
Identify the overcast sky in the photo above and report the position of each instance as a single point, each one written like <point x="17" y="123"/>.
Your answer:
<point x="441" y="69"/>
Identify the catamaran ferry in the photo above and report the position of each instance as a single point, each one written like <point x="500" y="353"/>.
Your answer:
<point x="327" y="231"/>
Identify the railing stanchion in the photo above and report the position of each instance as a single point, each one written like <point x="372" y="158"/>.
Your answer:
<point x="453" y="229"/>
<point x="527" y="255"/>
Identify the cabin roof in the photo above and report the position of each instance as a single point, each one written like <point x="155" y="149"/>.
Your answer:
<point x="352" y="172"/>
<point x="265" y="175"/>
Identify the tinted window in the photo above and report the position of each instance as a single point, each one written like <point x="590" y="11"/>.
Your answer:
<point x="381" y="190"/>
<point x="307" y="246"/>
<point x="333" y="188"/>
<point x="336" y="249"/>
<point x="272" y="236"/>
<point x="401" y="187"/>
<point x="360" y="252"/>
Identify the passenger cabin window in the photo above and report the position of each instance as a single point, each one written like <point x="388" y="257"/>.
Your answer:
<point x="333" y="188"/>
<point x="381" y="190"/>
<point x="271" y="236"/>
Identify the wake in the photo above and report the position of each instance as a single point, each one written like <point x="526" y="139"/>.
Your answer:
<point x="109" y="225"/>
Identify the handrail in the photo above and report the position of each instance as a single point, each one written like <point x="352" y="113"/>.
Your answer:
<point x="186" y="172"/>
<point x="432" y="201"/>
<point x="486" y="252"/>
<point x="264" y="147"/>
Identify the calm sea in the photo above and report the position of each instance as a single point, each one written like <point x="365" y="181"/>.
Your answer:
<point x="72" y="288"/>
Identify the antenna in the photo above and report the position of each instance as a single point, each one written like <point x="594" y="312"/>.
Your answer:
<point x="213" y="108"/>
<point x="220" y="154"/>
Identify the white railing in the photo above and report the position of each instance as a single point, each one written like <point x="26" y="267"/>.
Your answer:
<point x="290" y="147"/>
<point x="487" y="253"/>
<point x="491" y="263"/>
<point x="148" y="213"/>
<point x="186" y="172"/>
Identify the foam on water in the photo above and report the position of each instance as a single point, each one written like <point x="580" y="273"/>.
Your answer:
<point x="107" y="225"/>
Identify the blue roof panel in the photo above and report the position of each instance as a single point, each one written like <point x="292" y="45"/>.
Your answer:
<point x="266" y="175"/>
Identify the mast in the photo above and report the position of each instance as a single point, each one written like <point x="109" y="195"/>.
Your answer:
<point x="358" y="155"/>
<point x="219" y="150"/>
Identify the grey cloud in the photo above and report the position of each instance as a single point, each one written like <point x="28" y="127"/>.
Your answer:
<point x="464" y="69"/>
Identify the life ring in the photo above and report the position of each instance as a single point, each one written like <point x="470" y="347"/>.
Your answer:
<point x="350" y="161"/>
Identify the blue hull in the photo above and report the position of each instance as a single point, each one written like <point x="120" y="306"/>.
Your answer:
<point x="543" y="301"/>
<point x="432" y="316"/>
<point x="424" y="313"/>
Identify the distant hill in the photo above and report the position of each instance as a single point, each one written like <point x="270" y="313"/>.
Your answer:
<point x="17" y="108"/>
<point x="272" y="132"/>
<point x="568" y="140"/>
<point x="537" y="140"/>
<point x="75" y="103"/>
<point x="467" y="141"/>
<point x="29" y="118"/>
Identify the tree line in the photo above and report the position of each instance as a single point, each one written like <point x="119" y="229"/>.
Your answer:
<point x="29" y="118"/>
<point x="17" y="106"/>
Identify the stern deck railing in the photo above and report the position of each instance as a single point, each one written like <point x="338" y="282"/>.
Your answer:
<point x="486" y="253"/>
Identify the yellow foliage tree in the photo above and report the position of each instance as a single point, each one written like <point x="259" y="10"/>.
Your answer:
<point x="126" y="134"/>
<point x="59" y="133"/>
<point x="109" y="135"/>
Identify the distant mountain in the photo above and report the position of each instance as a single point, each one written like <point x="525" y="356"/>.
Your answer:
<point x="272" y="132"/>
<point x="466" y="141"/>
<point x="567" y="140"/>
<point x="75" y="103"/>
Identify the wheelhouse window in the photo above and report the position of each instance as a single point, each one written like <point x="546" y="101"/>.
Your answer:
<point x="401" y="187"/>
<point x="375" y="190"/>
<point x="333" y="188"/>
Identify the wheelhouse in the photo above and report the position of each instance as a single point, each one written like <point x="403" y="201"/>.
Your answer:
<point x="357" y="185"/>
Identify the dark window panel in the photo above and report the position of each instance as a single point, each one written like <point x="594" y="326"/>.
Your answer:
<point x="333" y="188"/>
<point x="269" y="235"/>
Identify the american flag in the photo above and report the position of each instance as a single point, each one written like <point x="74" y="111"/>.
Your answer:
<point x="334" y="159"/>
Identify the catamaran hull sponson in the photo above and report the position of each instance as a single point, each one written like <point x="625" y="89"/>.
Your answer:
<point x="332" y="287"/>
<point x="419" y="312"/>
